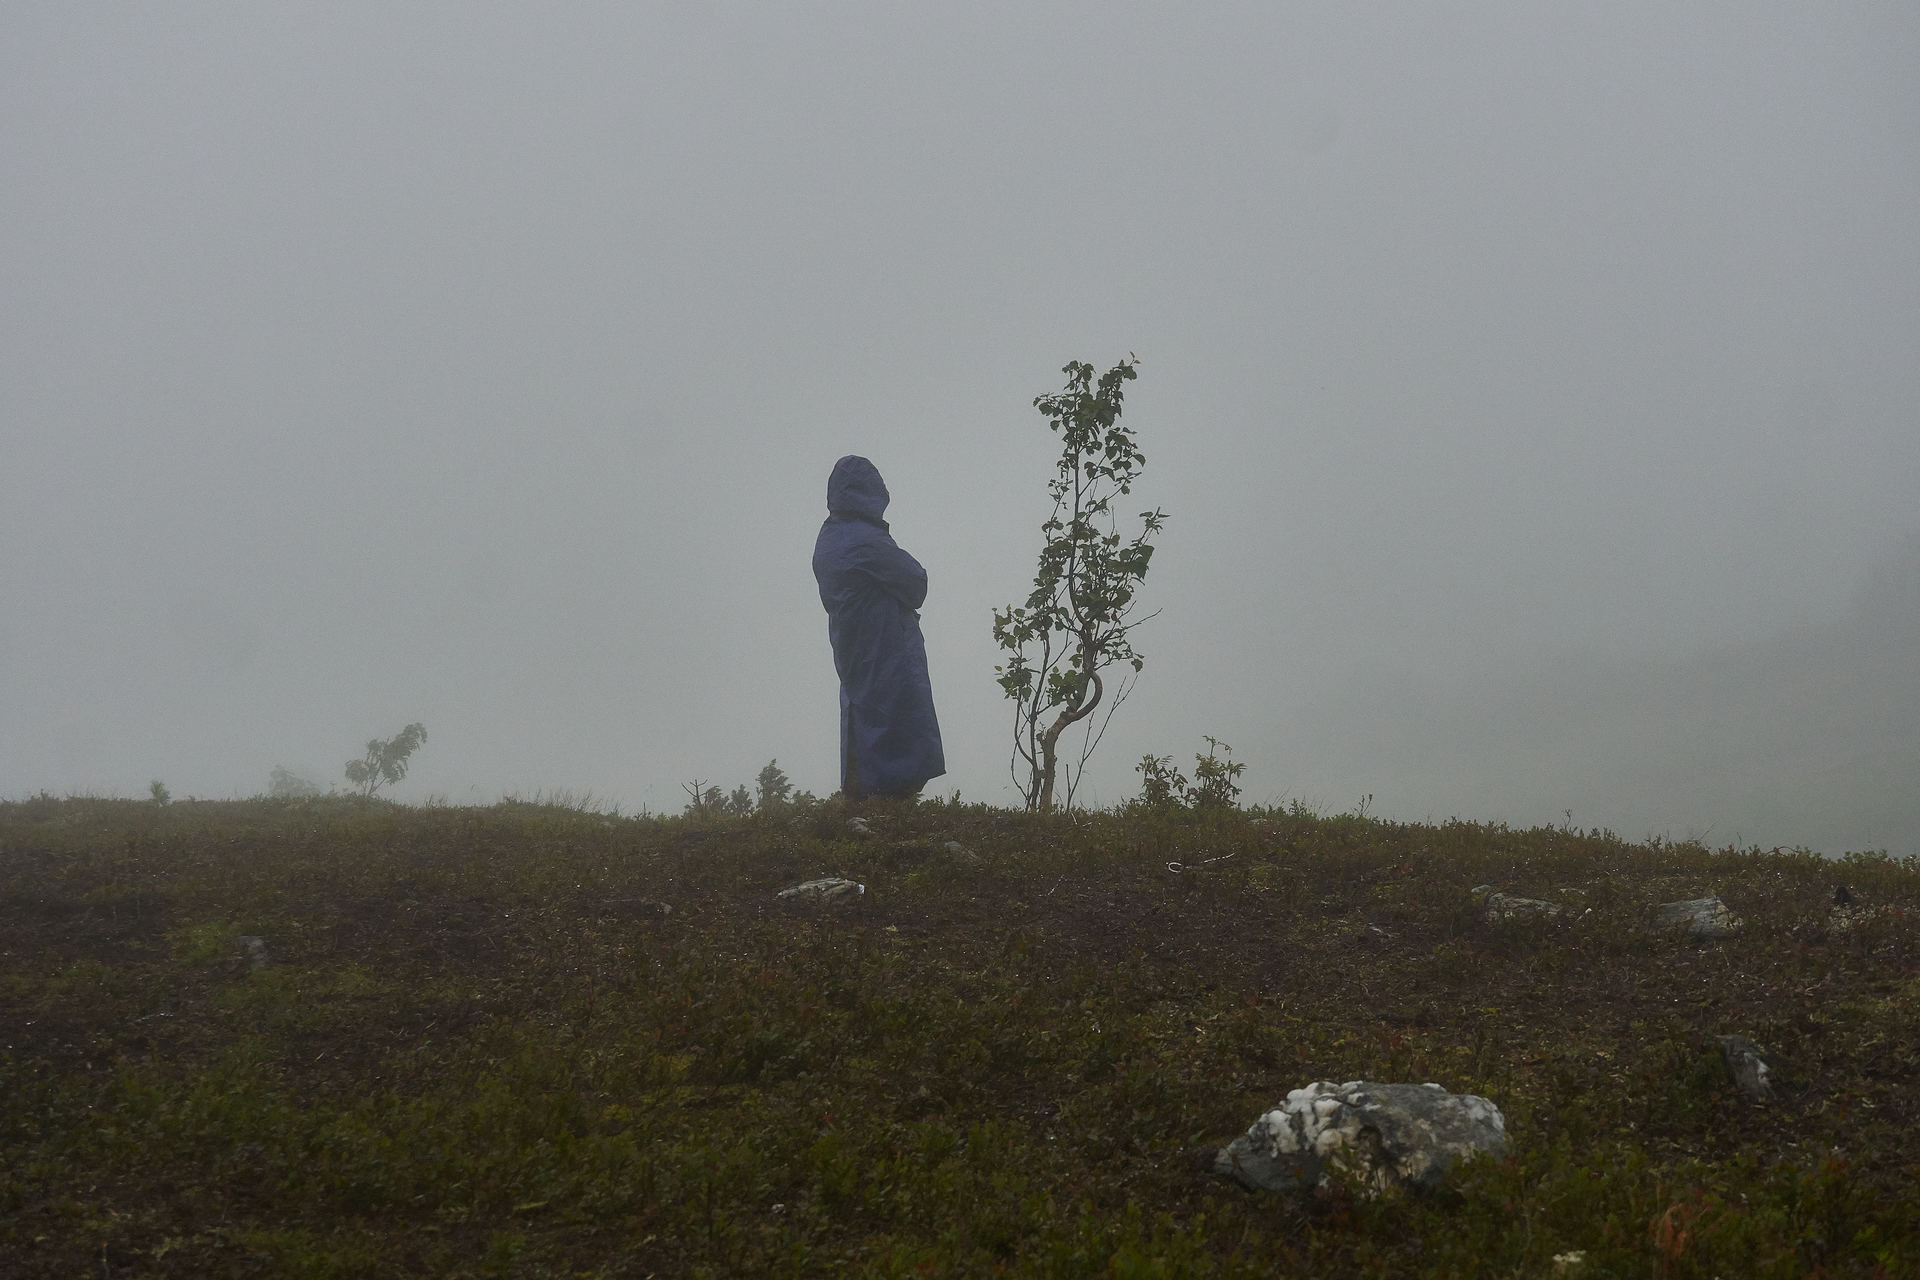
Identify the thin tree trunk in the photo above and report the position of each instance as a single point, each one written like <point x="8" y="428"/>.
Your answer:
<point x="1050" y="739"/>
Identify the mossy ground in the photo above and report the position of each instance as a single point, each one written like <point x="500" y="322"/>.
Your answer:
<point x="481" y="1050"/>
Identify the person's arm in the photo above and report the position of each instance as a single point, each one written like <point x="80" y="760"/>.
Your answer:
<point x="894" y="571"/>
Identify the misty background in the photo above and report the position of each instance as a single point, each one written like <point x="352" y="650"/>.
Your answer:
<point x="1532" y="391"/>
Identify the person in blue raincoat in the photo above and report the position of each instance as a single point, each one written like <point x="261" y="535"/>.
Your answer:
<point x="889" y="739"/>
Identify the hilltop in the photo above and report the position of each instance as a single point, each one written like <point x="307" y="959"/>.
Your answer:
<point x="529" y="1040"/>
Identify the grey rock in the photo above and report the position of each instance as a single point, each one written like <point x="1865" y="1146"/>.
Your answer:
<point x="960" y="852"/>
<point x="253" y="949"/>
<point x="1380" y="1137"/>
<point x="830" y="891"/>
<point x="1747" y="1066"/>
<point x="1700" y="918"/>
<point x="860" y="827"/>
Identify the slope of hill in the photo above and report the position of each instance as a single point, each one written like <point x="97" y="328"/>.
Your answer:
<point x="1808" y="738"/>
<point x="530" y="1041"/>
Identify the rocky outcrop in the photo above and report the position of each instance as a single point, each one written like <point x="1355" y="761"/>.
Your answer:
<point x="1377" y="1137"/>
<point x="1702" y="919"/>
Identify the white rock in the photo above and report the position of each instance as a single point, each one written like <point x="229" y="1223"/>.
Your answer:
<point x="1505" y="906"/>
<point x="860" y="826"/>
<point x="832" y="889"/>
<point x="1379" y="1136"/>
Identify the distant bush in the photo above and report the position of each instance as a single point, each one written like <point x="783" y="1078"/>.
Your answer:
<point x="1215" y="785"/>
<point x="1216" y="781"/>
<point x="1162" y="785"/>
<point x="771" y="790"/>
<point x="285" y="784"/>
<point x="159" y="793"/>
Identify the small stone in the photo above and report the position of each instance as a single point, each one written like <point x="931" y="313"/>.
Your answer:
<point x="957" y="850"/>
<point x="253" y="949"/>
<point x="828" y="891"/>
<point x="1382" y="1137"/>
<point x="1747" y="1066"/>
<point x="1700" y="918"/>
<point x="860" y="827"/>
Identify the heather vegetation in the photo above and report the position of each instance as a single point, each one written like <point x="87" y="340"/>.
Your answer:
<point x="332" y="1036"/>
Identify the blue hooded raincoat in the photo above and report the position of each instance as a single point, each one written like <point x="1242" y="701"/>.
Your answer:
<point x="889" y="739"/>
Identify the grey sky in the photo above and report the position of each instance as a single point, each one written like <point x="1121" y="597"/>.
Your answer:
<point x="483" y="366"/>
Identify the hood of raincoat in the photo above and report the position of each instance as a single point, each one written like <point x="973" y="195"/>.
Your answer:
<point x="856" y="489"/>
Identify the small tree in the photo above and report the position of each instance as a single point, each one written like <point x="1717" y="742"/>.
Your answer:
<point x="739" y="800"/>
<point x="773" y="787"/>
<point x="385" y="762"/>
<point x="1076" y="621"/>
<point x="704" y="799"/>
<point x="697" y="791"/>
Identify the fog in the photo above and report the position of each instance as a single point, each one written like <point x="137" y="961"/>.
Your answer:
<point x="1531" y="389"/>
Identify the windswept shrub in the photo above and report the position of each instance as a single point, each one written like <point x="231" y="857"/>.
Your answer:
<point x="385" y="762"/>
